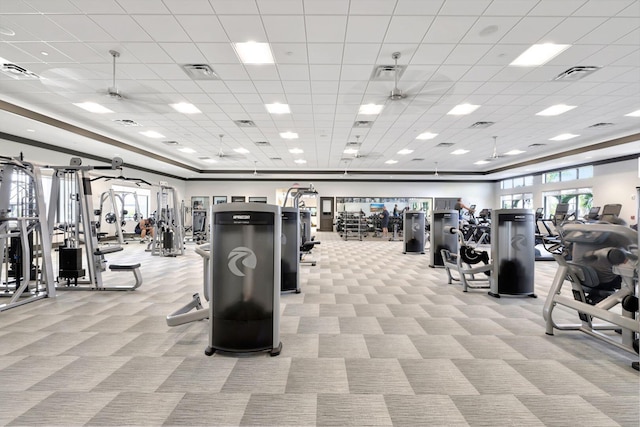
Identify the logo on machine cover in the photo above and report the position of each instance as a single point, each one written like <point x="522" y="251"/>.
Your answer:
<point x="415" y="227"/>
<point x="243" y="255"/>
<point x="519" y="241"/>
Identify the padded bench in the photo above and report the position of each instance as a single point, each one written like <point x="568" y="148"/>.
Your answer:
<point x="135" y="268"/>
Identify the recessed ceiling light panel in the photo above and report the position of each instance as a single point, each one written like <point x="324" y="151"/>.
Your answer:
<point x="152" y="134"/>
<point x="370" y="109"/>
<point x="296" y="151"/>
<point x="278" y="108"/>
<point x="459" y="152"/>
<point x="288" y="135"/>
<point x="405" y="151"/>
<point x="92" y="107"/>
<point x="241" y="150"/>
<point x="513" y="152"/>
<point x="426" y="135"/>
<point x="185" y="108"/>
<point x="187" y="150"/>
<point x="633" y="114"/>
<point x="556" y="110"/>
<point x="300" y="161"/>
<point x="462" y="109"/>
<point x="254" y="53"/>
<point x="391" y="162"/>
<point x="563" y="137"/>
<point x="539" y="54"/>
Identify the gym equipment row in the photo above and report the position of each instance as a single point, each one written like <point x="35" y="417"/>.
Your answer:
<point x="25" y="243"/>
<point x="116" y="215"/>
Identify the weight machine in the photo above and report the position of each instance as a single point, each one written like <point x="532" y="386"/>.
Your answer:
<point x="70" y="207"/>
<point x="168" y="239"/>
<point x="589" y="255"/>
<point x="115" y="216"/>
<point x="25" y="243"/>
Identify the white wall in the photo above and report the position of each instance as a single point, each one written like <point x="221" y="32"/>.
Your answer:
<point x="611" y="183"/>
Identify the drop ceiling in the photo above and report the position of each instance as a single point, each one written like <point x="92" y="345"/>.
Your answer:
<point x="325" y="58"/>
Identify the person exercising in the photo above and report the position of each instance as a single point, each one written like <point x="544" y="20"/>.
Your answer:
<point x="459" y="206"/>
<point x="144" y="227"/>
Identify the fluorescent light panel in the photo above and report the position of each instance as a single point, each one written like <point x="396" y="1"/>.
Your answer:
<point x="288" y="135"/>
<point x="296" y="151"/>
<point x="405" y="151"/>
<point x="539" y="54"/>
<point x="370" y="109"/>
<point x="426" y="135"/>
<point x="633" y="114"/>
<point x="481" y="162"/>
<point x="92" y="107"/>
<point x="459" y="152"/>
<point x="300" y="161"/>
<point x="187" y="150"/>
<point x="513" y="152"/>
<point x="254" y="53"/>
<point x="555" y="110"/>
<point x="152" y="134"/>
<point x="241" y="150"/>
<point x="391" y="162"/>
<point x="278" y="108"/>
<point x="462" y="109"/>
<point x="211" y="160"/>
<point x="185" y="108"/>
<point x="563" y="137"/>
<point x="350" y="151"/>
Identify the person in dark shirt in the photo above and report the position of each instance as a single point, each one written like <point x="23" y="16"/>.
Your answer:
<point x="385" y="222"/>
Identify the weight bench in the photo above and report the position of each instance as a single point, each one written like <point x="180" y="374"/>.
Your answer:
<point x="135" y="268"/>
<point x="305" y="249"/>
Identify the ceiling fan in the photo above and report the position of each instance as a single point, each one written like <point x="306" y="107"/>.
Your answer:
<point x="423" y="94"/>
<point x="225" y="156"/>
<point x="357" y="153"/>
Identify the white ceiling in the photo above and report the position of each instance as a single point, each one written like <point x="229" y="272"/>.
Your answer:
<point x="455" y="51"/>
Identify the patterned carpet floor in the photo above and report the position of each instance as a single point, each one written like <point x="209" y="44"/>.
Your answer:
<point x="376" y="337"/>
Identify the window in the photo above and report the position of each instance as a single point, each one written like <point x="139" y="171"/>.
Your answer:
<point x="521" y="181"/>
<point x="579" y="200"/>
<point x="571" y="174"/>
<point x="517" y="201"/>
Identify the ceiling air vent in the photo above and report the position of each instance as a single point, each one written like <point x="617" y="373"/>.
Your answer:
<point x="576" y="73"/>
<point x="17" y="72"/>
<point x="418" y="159"/>
<point x="481" y="125"/>
<point x="354" y="144"/>
<point x="171" y="142"/>
<point x="600" y="125"/>
<point x="536" y="145"/>
<point x="275" y="158"/>
<point x="262" y="143"/>
<point x="200" y="72"/>
<point x="387" y="72"/>
<point x="204" y="158"/>
<point x="362" y="124"/>
<point x="245" y="123"/>
<point x="127" y="122"/>
<point x="445" y="144"/>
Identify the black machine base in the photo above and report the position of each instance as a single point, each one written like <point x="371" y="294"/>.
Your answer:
<point x="498" y="295"/>
<point x="275" y="351"/>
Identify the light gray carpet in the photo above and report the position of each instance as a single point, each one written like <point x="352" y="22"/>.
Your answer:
<point x="375" y="338"/>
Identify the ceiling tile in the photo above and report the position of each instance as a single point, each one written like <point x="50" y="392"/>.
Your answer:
<point x="326" y="7"/>
<point x="122" y="27"/>
<point x="16" y="6"/>
<point x="325" y="53"/>
<point x="234" y="7"/>
<point x="531" y="30"/>
<point x="467" y="54"/>
<point x="418" y="7"/>
<point x="356" y="72"/>
<point x="464" y="7"/>
<point x="407" y="29"/>
<point x="490" y="29"/>
<point x="604" y="8"/>
<point x="162" y="28"/>
<point x="363" y="29"/>
<point x="293" y="72"/>
<point x="370" y="7"/>
<point x="39" y="26"/>
<point x="203" y="28"/>
<point x="78" y="52"/>
<point x="322" y="29"/>
<point x="448" y="29"/>
<point x="285" y="29"/>
<point x="144" y="7"/>
<point x="52" y="6"/>
<point x="324" y="72"/>
<point x="360" y="53"/>
<point x="262" y="72"/>
<point x="150" y="53"/>
<point x="81" y="27"/>
<point x="289" y="53"/>
<point x="610" y="31"/>
<point x="184" y="53"/>
<point x="432" y="53"/>
<point x="189" y="7"/>
<point x="243" y="28"/>
<point x="231" y="72"/>
<point x="218" y="53"/>
<point x="280" y="7"/>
